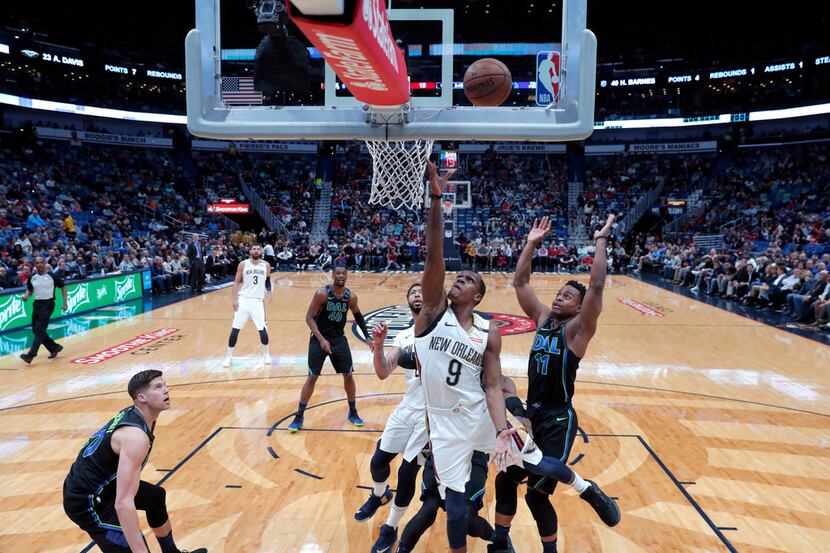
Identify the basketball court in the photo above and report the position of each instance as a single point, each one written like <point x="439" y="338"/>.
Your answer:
<point x="709" y="428"/>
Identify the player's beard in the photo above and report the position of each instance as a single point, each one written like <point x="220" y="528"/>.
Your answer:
<point x="256" y="255"/>
<point x="415" y="310"/>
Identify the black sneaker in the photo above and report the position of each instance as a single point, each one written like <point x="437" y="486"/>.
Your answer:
<point x="501" y="548"/>
<point x="200" y="550"/>
<point x="606" y="508"/>
<point x="56" y="352"/>
<point x="26" y="357"/>
<point x="370" y="507"/>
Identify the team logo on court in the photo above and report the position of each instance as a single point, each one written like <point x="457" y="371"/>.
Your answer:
<point x="124" y="288"/>
<point x="398" y="318"/>
<point x="11" y="310"/>
<point x="510" y="324"/>
<point x="77" y="297"/>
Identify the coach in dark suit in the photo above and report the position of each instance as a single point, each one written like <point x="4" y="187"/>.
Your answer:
<point x="196" y="254"/>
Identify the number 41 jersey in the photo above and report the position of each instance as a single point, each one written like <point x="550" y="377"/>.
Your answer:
<point x="450" y="361"/>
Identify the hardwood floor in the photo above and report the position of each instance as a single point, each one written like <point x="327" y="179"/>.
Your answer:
<point x="711" y="429"/>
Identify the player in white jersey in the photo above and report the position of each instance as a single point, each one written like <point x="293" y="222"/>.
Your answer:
<point x="254" y="276"/>
<point x="405" y="430"/>
<point x="454" y="348"/>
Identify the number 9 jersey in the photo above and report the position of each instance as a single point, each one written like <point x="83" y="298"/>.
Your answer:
<point x="450" y="360"/>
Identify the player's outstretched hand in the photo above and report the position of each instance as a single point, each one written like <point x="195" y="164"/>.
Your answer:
<point x="539" y="230"/>
<point x="501" y="455"/>
<point x="437" y="183"/>
<point x="605" y="230"/>
<point x="379" y="332"/>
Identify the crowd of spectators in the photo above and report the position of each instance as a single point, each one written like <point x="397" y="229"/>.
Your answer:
<point x="91" y="210"/>
<point x="776" y="246"/>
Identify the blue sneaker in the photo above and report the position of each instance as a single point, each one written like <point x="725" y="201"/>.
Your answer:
<point x="296" y="425"/>
<point x="355" y="419"/>
<point x="386" y="540"/>
<point x="370" y="507"/>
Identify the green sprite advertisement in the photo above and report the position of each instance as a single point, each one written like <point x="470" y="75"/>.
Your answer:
<point x="81" y="296"/>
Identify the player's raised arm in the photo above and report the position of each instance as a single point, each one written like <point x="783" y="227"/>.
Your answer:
<point x="432" y="282"/>
<point x="528" y="300"/>
<point x="237" y="282"/>
<point x="586" y="321"/>
<point x="314" y="307"/>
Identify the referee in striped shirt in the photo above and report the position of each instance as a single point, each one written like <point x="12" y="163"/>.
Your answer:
<point x="42" y="286"/>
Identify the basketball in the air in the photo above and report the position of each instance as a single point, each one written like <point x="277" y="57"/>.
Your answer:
<point x="487" y="82"/>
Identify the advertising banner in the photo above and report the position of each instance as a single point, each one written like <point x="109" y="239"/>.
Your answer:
<point x="81" y="296"/>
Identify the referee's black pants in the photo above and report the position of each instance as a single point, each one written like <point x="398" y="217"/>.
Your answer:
<point x="41" y="312"/>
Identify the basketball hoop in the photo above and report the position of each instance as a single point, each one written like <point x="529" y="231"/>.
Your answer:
<point x="447" y="205"/>
<point x="398" y="172"/>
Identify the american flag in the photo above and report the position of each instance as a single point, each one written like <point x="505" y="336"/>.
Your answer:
<point x="240" y="90"/>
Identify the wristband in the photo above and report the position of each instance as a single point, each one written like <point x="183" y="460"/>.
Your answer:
<point x="436" y="196"/>
<point x="601" y="236"/>
<point x="501" y="430"/>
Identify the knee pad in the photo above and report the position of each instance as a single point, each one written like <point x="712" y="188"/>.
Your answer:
<point x="263" y="337"/>
<point x="233" y="337"/>
<point x="506" y="495"/>
<point x="156" y="504"/>
<point x="543" y="513"/>
<point x="456" y="506"/>
<point x="379" y="465"/>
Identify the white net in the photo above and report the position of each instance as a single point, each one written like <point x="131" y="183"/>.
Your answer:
<point x="398" y="172"/>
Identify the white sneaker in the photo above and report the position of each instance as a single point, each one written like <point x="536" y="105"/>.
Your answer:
<point x="227" y="362"/>
<point x="266" y="360"/>
<point x="694" y="290"/>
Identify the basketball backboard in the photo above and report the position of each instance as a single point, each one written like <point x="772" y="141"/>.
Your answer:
<point x="229" y="60"/>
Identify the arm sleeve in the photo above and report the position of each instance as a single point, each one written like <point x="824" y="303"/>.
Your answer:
<point x="406" y="342"/>
<point x="361" y="322"/>
<point x="268" y="284"/>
